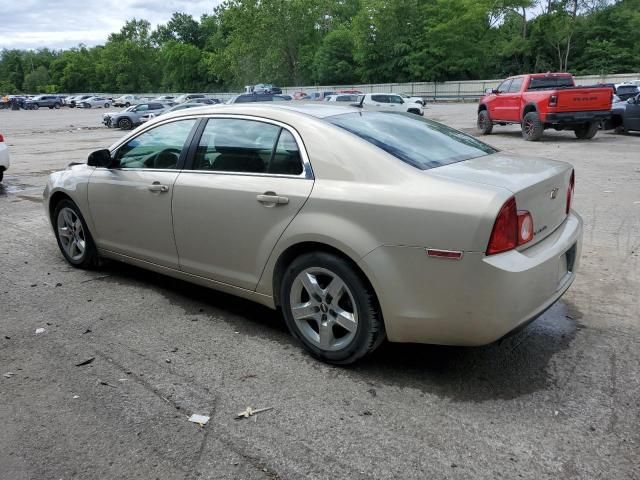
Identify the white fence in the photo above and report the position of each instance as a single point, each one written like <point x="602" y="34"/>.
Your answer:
<point x="433" y="91"/>
<point x="469" y="89"/>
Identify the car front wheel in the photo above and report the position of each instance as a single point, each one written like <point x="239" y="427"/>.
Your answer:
<point x="330" y="308"/>
<point x="73" y="236"/>
<point x="125" y="124"/>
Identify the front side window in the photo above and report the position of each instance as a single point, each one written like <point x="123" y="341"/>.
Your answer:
<point x="516" y="85"/>
<point x="417" y="141"/>
<point x="143" y="107"/>
<point x="395" y="99"/>
<point x="504" y="86"/>
<point x="247" y="146"/>
<point x="158" y="148"/>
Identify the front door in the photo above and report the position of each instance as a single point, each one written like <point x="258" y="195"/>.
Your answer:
<point x="247" y="181"/>
<point x="130" y="204"/>
<point x="632" y="115"/>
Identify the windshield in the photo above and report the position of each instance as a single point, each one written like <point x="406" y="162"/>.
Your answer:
<point x="541" y="83"/>
<point x="417" y="141"/>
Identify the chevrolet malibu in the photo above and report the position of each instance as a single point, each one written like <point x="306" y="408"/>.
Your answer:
<point x="358" y="225"/>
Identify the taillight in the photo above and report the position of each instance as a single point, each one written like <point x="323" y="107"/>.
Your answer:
<point x="1" y="138"/>
<point x="570" y="190"/>
<point x="511" y="229"/>
<point x="553" y="100"/>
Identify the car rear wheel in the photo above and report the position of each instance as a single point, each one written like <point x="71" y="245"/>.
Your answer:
<point x="125" y="124"/>
<point x="106" y="105"/>
<point x="73" y="236"/>
<point x="127" y="104"/>
<point x="485" y="125"/>
<point x="35" y="106"/>
<point x="56" y="106"/>
<point x="587" y="130"/>
<point x="532" y="127"/>
<point x="331" y="309"/>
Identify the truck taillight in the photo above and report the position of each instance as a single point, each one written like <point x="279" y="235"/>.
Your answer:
<point x="511" y="229"/>
<point x="570" y="190"/>
<point x="553" y="101"/>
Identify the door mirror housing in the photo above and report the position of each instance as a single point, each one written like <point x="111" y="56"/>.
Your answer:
<point x="100" y="158"/>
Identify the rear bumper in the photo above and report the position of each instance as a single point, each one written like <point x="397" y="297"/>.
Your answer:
<point x="575" y="118"/>
<point x="476" y="300"/>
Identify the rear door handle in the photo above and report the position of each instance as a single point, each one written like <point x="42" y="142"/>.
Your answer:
<point x="272" y="199"/>
<point x="157" y="187"/>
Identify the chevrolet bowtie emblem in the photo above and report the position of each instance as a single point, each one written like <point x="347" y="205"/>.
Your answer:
<point x="553" y="193"/>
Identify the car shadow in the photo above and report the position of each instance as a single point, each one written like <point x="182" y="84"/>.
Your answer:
<point x="516" y="365"/>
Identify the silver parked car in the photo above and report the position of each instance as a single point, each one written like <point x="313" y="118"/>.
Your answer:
<point x="133" y="116"/>
<point x="360" y="225"/>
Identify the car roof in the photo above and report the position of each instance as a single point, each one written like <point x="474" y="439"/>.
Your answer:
<point x="268" y="109"/>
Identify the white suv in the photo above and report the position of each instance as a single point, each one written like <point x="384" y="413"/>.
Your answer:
<point x="389" y="102"/>
<point x="4" y="157"/>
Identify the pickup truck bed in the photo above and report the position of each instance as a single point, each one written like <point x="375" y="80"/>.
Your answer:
<point x="542" y="101"/>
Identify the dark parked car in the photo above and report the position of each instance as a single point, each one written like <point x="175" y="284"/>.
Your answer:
<point x="625" y="116"/>
<point x="625" y="92"/>
<point x="51" y="101"/>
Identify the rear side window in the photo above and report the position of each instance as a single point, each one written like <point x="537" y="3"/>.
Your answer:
<point x="380" y="98"/>
<point x="417" y="141"/>
<point x="542" y="83"/>
<point x="247" y="146"/>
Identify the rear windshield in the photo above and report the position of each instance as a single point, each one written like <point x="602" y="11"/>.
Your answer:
<point x="417" y="141"/>
<point x="541" y="83"/>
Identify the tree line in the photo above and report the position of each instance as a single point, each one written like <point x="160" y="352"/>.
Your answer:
<point x="303" y="42"/>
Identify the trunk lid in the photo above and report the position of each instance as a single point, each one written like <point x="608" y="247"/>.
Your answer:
<point x="582" y="99"/>
<point x="539" y="185"/>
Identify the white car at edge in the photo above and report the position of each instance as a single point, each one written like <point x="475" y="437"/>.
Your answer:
<point x="4" y="157"/>
<point x="389" y="102"/>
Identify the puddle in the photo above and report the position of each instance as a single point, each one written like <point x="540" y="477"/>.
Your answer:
<point x="11" y="186"/>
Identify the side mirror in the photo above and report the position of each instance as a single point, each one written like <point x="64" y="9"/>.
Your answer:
<point x="100" y="158"/>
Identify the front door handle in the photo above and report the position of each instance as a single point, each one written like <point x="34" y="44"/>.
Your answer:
<point x="157" y="187"/>
<point x="270" y="198"/>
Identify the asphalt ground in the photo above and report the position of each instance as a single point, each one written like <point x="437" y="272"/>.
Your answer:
<point x="560" y="399"/>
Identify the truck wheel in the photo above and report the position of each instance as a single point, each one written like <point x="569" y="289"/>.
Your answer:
<point x="532" y="127"/>
<point x="587" y="130"/>
<point x="485" y="125"/>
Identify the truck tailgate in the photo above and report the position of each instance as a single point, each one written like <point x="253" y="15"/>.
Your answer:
<point x="583" y="99"/>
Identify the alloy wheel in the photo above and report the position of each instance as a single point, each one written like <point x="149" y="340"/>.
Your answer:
<point x="71" y="234"/>
<point x="323" y="308"/>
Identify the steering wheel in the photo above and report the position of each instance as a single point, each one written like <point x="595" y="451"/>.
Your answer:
<point x="167" y="158"/>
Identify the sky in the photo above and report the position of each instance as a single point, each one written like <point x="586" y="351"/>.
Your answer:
<point x="57" y="24"/>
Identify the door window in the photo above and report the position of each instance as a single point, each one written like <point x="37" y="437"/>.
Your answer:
<point x="158" y="148"/>
<point x="380" y="98"/>
<point x="516" y="84"/>
<point x="395" y="99"/>
<point x="504" y="86"/>
<point x="247" y="146"/>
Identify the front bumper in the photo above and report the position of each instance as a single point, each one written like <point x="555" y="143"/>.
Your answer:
<point x="576" y="118"/>
<point x="475" y="300"/>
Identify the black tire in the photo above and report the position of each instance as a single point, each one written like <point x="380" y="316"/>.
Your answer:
<point x="484" y="123"/>
<point x="56" y="105"/>
<point x="35" y="106"/>
<point x="90" y="257"/>
<point x="620" y="129"/>
<point x="125" y="124"/>
<point x="415" y="111"/>
<point x="369" y="332"/>
<point x="532" y="127"/>
<point x="587" y="131"/>
<point x="1" y="175"/>
<point x="50" y="107"/>
<point x="106" y="105"/>
<point x="127" y="104"/>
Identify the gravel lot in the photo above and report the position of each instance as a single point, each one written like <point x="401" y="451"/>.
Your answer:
<point x="561" y="399"/>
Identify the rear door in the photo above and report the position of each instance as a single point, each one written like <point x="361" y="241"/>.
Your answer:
<point x="247" y="180"/>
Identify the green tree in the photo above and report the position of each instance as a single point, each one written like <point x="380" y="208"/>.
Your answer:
<point x="37" y="80"/>
<point x="333" y="62"/>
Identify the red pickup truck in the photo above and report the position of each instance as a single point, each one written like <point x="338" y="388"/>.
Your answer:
<point x="545" y="100"/>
